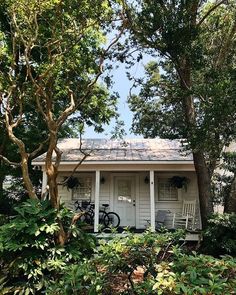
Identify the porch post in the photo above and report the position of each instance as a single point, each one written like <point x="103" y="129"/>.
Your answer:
<point x="96" y="201"/>
<point x="44" y="185"/>
<point x="152" y="200"/>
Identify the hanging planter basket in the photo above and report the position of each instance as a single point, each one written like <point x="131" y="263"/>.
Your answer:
<point x="179" y="182"/>
<point x="72" y="182"/>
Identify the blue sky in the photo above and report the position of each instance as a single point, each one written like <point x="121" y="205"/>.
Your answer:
<point x="122" y="86"/>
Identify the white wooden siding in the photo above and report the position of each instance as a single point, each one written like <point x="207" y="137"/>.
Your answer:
<point x="144" y="201"/>
<point x="142" y="194"/>
<point x="65" y="194"/>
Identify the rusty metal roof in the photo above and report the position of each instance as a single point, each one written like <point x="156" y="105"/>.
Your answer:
<point x="104" y="150"/>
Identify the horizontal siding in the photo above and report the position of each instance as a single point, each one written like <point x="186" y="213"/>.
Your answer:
<point x="144" y="201"/>
<point x="142" y="195"/>
<point x="66" y="194"/>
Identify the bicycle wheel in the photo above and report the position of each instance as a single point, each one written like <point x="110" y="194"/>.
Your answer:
<point x="112" y="220"/>
<point x="102" y="217"/>
<point x="85" y="218"/>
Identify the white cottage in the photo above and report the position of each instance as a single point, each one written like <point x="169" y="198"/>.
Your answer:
<point x="134" y="176"/>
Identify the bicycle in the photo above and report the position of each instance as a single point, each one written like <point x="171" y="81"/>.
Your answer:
<point x="107" y="219"/>
<point x="87" y="210"/>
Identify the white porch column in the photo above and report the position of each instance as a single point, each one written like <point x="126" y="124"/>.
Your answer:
<point x="44" y="184"/>
<point x="152" y="200"/>
<point x="96" y="201"/>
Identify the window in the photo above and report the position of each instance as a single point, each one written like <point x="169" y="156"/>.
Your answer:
<point x="166" y="192"/>
<point x="124" y="191"/>
<point x="84" y="190"/>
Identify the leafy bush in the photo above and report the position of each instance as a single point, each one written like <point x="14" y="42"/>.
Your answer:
<point x="148" y="264"/>
<point x="118" y="257"/>
<point x="220" y="235"/>
<point x="29" y="256"/>
<point x="192" y="275"/>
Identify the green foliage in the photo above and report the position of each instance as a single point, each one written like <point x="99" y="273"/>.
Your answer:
<point x="167" y="269"/>
<point x="220" y="235"/>
<point x="29" y="255"/>
<point x="192" y="275"/>
<point x="168" y="30"/>
<point x="55" y="46"/>
<point x="84" y="278"/>
<point x="223" y="180"/>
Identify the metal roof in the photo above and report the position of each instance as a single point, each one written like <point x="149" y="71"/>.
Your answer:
<point x="106" y="150"/>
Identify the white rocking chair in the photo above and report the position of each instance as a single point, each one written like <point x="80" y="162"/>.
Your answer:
<point x="186" y="219"/>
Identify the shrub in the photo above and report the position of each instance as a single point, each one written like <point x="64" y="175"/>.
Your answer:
<point x="167" y="269"/>
<point x="117" y="260"/>
<point x="29" y="256"/>
<point x="192" y="275"/>
<point x="220" y="235"/>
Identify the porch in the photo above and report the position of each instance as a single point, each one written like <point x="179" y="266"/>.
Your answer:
<point x="135" y="195"/>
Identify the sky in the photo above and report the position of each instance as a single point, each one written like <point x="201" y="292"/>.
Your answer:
<point x="121" y="85"/>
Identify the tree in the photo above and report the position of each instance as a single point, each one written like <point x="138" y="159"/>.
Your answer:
<point x="224" y="182"/>
<point x="195" y="43"/>
<point x="52" y="56"/>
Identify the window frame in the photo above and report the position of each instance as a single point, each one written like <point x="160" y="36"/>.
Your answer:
<point x="165" y="180"/>
<point x="75" y="191"/>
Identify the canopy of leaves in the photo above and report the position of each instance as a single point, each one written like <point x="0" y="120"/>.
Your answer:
<point x="209" y="47"/>
<point x="51" y="50"/>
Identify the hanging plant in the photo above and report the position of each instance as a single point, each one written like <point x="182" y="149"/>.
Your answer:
<point x="72" y="182"/>
<point x="179" y="182"/>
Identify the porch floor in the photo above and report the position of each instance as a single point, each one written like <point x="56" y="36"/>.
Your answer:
<point x="194" y="236"/>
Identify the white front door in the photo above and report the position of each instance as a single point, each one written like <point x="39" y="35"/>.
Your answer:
<point x="124" y="199"/>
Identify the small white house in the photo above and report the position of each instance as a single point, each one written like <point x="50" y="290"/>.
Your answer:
<point x="135" y="177"/>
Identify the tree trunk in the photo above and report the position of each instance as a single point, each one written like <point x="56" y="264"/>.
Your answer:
<point x="24" y="159"/>
<point x="204" y="187"/>
<point x="203" y="175"/>
<point x="2" y="177"/>
<point x="230" y="201"/>
<point x="52" y="173"/>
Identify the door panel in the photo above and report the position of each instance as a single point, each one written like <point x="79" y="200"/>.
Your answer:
<point x="124" y="199"/>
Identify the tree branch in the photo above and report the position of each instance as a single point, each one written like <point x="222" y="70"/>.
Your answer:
<point x="35" y="153"/>
<point x="211" y="10"/>
<point x="10" y="163"/>
<point x="85" y="155"/>
<point x="68" y="111"/>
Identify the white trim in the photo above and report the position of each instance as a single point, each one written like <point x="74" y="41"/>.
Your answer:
<point x="112" y="192"/>
<point x="44" y="182"/>
<point x="127" y="162"/>
<point x="137" y="206"/>
<point x="152" y="200"/>
<point x="96" y="201"/>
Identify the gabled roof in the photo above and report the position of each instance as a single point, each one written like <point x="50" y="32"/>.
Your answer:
<point x="106" y="150"/>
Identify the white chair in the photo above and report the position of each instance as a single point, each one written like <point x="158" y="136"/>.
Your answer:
<point x="186" y="219"/>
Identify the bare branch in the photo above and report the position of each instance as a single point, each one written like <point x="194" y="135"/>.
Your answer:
<point x="100" y="65"/>
<point x="74" y="170"/>
<point x="68" y="111"/>
<point x="10" y="163"/>
<point x="35" y="153"/>
<point x="85" y="155"/>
